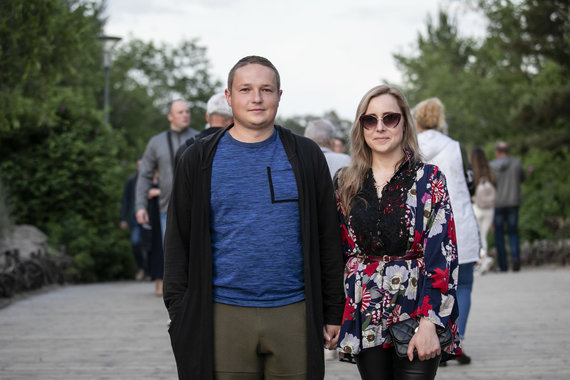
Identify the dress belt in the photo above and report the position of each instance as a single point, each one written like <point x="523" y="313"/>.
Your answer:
<point x="410" y="255"/>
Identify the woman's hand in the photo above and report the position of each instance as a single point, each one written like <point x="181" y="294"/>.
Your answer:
<point x="425" y="341"/>
<point x="330" y="334"/>
<point x="154" y="192"/>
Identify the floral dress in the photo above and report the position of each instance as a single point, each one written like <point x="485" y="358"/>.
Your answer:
<point x="401" y="257"/>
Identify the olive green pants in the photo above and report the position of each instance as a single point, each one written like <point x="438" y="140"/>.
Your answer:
<point x="260" y="343"/>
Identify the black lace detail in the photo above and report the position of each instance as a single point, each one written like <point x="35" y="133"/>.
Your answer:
<point x="380" y="226"/>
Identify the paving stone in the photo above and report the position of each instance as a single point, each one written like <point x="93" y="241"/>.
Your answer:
<point x="518" y="328"/>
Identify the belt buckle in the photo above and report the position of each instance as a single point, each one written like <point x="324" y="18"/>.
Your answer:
<point x="385" y="259"/>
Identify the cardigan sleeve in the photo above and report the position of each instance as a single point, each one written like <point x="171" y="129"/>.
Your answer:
<point x="177" y="237"/>
<point x="332" y="265"/>
<point x="437" y="300"/>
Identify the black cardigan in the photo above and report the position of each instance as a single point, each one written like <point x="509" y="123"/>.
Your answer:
<point x="188" y="255"/>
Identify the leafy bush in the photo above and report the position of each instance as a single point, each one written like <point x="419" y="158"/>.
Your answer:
<point x="66" y="180"/>
<point x="545" y="211"/>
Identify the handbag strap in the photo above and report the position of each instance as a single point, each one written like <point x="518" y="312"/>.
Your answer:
<point x="168" y="137"/>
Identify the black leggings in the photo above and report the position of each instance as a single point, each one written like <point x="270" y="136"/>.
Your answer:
<point x="379" y="363"/>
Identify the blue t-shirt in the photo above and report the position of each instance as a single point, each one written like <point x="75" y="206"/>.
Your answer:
<point x="255" y="225"/>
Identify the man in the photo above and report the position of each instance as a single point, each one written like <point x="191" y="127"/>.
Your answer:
<point x="218" y="115"/>
<point x="339" y="145"/>
<point x="509" y="174"/>
<point x="322" y="131"/>
<point x="159" y="155"/>
<point x="253" y="266"/>
<point x="128" y="220"/>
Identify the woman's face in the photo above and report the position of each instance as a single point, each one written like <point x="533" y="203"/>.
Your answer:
<point x="381" y="139"/>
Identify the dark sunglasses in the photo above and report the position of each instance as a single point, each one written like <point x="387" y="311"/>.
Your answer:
<point x="389" y="119"/>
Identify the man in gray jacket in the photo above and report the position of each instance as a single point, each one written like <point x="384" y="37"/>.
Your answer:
<point x="322" y="132"/>
<point x="159" y="156"/>
<point x="509" y="174"/>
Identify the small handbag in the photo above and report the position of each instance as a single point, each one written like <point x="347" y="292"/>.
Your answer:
<point x="402" y="333"/>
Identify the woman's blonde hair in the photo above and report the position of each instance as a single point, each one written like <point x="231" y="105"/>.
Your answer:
<point x="429" y="114"/>
<point x="351" y="178"/>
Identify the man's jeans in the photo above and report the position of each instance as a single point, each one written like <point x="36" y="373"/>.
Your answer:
<point x="510" y="216"/>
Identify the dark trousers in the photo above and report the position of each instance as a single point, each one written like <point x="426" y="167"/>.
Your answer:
<point x="136" y="244"/>
<point x="379" y="363"/>
<point x="510" y="217"/>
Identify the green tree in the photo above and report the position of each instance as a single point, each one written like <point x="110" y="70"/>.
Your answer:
<point x="147" y="77"/>
<point x="512" y="85"/>
<point x="59" y="160"/>
<point x="60" y="163"/>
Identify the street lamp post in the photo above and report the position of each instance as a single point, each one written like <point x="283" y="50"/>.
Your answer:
<point x="109" y="43"/>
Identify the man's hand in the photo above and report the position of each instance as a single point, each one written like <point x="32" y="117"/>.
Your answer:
<point x="142" y="216"/>
<point x="425" y="341"/>
<point x="331" y="333"/>
<point x="123" y="225"/>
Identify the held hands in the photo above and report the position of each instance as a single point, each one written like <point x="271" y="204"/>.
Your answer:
<point x="331" y="333"/>
<point x="425" y="341"/>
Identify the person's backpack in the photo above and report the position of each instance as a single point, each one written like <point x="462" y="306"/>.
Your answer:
<point x="484" y="194"/>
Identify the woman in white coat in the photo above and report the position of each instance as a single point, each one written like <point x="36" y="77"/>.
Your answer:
<point x="438" y="149"/>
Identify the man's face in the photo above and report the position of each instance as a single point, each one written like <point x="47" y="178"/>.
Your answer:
<point x="254" y="97"/>
<point x="179" y="115"/>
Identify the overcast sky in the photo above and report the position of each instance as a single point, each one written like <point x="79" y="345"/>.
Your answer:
<point x="328" y="53"/>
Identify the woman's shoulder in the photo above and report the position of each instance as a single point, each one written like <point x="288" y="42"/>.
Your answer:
<point x="428" y="172"/>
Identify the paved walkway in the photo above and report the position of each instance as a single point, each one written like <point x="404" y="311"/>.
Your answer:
<point x="518" y="328"/>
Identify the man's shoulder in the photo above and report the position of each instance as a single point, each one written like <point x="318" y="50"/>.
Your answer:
<point x="189" y="132"/>
<point x="337" y="156"/>
<point x="159" y="138"/>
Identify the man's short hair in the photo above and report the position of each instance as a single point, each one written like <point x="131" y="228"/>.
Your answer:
<point x="502" y="147"/>
<point x="174" y="101"/>
<point x="320" y="131"/>
<point x="249" y="60"/>
<point x="218" y="105"/>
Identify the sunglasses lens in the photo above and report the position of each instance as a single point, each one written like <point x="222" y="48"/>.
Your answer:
<point x="368" y="121"/>
<point x="390" y="120"/>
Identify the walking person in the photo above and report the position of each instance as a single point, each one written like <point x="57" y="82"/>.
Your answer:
<point x="509" y="174"/>
<point x="439" y="149"/>
<point x="398" y="236"/>
<point x="159" y="156"/>
<point x="218" y="115"/>
<point x="483" y="203"/>
<point x="152" y="233"/>
<point x="129" y="220"/>
<point x="253" y="266"/>
<point x="322" y="132"/>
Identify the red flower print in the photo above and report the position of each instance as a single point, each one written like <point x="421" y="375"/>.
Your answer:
<point x="371" y="268"/>
<point x="346" y="237"/>
<point x="348" y="311"/>
<point x="366" y="298"/>
<point x="424" y="309"/>
<point x="394" y="317"/>
<point x="441" y="279"/>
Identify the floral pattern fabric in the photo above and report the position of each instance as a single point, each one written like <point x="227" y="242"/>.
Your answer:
<point x="413" y="216"/>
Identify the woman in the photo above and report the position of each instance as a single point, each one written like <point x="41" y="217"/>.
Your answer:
<point x="153" y="237"/>
<point x="438" y="149"/>
<point x="398" y="266"/>
<point x="483" y="201"/>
